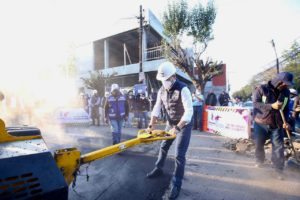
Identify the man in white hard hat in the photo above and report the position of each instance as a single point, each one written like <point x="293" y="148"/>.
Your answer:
<point x="116" y="111"/>
<point x="176" y="98"/>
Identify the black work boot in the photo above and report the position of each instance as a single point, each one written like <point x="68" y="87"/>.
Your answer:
<point x="155" y="173"/>
<point x="174" y="193"/>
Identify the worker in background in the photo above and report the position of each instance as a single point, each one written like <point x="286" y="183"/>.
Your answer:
<point x="293" y="104"/>
<point x="224" y="98"/>
<point x="94" y="104"/>
<point x="268" y="99"/>
<point x="103" y="100"/>
<point x="116" y="112"/>
<point x="143" y="107"/>
<point x="198" y="100"/>
<point x="176" y="98"/>
<point x="131" y="103"/>
<point x="211" y="99"/>
<point x="152" y="98"/>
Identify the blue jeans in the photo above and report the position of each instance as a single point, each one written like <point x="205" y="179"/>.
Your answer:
<point x="116" y="128"/>
<point x="182" y="144"/>
<point x="130" y="119"/>
<point x="297" y="123"/>
<point x="143" y="116"/>
<point x="261" y="134"/>
<point x="197" y="117"/>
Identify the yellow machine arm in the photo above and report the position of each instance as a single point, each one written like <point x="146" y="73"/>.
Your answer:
<point x="70" y="160"/>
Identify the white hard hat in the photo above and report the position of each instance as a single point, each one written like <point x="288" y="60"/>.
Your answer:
<point x="114" y="87"/>
<point x="94" y="92"/>
<point x="165" y="71"/>
<point x="293" y="91"/>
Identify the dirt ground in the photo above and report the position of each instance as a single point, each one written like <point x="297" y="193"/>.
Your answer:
<point x="212" y="171"/>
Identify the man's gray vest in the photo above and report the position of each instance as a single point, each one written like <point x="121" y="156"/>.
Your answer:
<point x="172" y="102"/>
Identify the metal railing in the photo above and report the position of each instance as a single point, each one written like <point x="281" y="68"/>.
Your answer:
<point x="154" y="53"/>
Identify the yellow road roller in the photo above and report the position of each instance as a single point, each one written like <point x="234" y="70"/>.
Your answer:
<point x="28" y="170"/>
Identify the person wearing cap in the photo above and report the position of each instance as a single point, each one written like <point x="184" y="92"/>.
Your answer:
<point x="268" y="99"/>
<point x="116" y="111"/>
<point x="294" y="112"/>
<point x="176" y="98"/>
<point x="94" y="104"/>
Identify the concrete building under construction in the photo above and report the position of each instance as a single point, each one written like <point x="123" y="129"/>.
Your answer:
<point x="126" y="54"/>
<point x="121" y="54"/>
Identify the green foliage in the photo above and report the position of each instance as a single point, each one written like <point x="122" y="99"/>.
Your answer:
<point x="245" y="93"/>
<point x="292" y="58"/>
<point x="292" y="64"/>
<point x="175" y="19"/>
<point x="96" y="81"/>
<point x="69" y="68"/>
<point x="201" y="20"/>
<point x="197" y="23"/>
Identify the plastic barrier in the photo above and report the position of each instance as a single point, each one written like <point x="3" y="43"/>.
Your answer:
<point x="233" y="122"/>
<point x="204" y="119"/>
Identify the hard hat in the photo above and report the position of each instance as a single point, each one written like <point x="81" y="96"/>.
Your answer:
<point x="293" y="91"/>
<point x="94" y="92"/>
<point x="165" y="71"/>
<point x="114" y="87"/>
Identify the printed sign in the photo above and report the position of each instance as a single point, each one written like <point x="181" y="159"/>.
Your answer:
<point x="72" y="116"/>
<point x="229" y="121"/>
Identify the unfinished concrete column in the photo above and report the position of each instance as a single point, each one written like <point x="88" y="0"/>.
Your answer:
<point x="106" y="54"/>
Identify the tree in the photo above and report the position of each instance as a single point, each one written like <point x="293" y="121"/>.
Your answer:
<point x="96" y="81"/>
<point x="292" y="59"/>
<point x="245" y="93"/>
<point x="69" y="67"/>
<point x="179" y="22"/>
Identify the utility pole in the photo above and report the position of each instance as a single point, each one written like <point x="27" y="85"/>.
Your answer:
<point x="141" y="21"/>
<point x="277" y="61"/>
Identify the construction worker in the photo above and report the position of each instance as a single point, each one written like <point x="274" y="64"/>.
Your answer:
<point x="294" y="103"/>
<point x="94" y="104"/>
<point x="176" y="98"/>
<point x="116" y="111"/>
<point x="268" y="99"/>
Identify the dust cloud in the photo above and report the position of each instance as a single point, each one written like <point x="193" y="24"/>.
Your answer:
<point x="34" y="95"/>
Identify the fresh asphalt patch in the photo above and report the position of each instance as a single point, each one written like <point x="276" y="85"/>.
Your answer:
<point x="122" y="177"/>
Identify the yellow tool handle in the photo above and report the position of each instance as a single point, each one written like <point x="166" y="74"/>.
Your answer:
<point x="143" y="137"/>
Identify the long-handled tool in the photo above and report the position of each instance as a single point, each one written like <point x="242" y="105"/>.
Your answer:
<point x="296" y="155"/>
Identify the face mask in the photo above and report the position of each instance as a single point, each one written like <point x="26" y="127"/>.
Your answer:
<point x="167" y="84"/>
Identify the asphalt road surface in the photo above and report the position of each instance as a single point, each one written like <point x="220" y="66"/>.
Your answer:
<point x="212" y="171"/>
<point x="121" y="176"/>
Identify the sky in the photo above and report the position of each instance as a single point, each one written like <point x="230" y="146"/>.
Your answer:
<point x="35" y="34"/>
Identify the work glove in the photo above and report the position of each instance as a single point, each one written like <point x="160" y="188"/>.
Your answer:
<point x="149" y="129"/>
<point x="173" y="131"/>
<point x="277" y="105"/>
